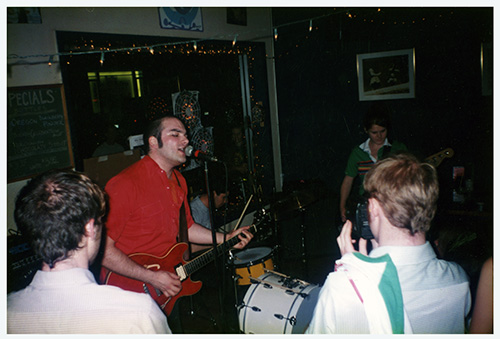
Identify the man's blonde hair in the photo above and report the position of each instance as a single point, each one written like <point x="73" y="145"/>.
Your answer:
<point x="406" y="189"/>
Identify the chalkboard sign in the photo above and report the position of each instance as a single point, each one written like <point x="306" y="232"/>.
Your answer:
<point x="37" y="131"/>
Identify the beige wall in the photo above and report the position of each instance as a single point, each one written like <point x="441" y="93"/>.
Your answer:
<point x="40" y="39"/>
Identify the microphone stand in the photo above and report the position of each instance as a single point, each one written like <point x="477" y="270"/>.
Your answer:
<point x="214" y="238"/>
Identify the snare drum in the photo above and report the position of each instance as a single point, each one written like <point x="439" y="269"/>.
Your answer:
<point x="278" y="305"/>
<point x="251" y="263"/>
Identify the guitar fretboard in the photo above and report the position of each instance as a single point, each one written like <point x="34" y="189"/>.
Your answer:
<point x="199" y="262"/>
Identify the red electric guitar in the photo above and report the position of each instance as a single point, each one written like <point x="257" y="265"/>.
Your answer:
<point x="172" y="261"/>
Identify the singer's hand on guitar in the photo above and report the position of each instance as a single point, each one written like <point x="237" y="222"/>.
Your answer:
<point x="167" y="282"/>
<point x="243" y="234"/>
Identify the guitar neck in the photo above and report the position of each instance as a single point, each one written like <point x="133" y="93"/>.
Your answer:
<point x="436" y="159"/>
<point x="205" y="258"/>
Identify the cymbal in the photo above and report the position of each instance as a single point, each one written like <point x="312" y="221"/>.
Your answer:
<point x="294" y="202"/>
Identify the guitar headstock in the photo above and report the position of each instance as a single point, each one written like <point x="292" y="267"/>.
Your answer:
<point x="261" y="218"/>
<point x="436" y="159"/>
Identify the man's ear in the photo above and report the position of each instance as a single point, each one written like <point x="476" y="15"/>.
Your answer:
<point x="153" y="142"/>
<point x="90" y="229"/>
<point x="374" y="208"/>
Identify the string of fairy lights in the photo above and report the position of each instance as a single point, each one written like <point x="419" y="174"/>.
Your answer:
<point x="195" y="46"/>
<point x="206" y="46"/>
<point x="189" y="46"/>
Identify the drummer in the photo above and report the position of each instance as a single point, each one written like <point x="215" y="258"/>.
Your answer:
<point x="200" y="205"/>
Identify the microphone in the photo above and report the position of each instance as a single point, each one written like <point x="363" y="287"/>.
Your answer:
<point x="197" y="154"/>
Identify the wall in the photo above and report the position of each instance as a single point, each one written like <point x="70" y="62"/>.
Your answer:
<point x="317" y="85"/>
<point x="40" y="39"/>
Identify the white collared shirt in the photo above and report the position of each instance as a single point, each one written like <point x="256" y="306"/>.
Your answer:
<point x="436" y="295"/>
<point x="71" y="302"/>
<point x="365" y="147"/>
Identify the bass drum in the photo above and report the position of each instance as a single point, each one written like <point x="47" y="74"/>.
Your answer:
<point x="278" y="305"/>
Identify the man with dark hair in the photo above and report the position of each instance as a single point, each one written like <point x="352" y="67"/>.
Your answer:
<point x="200" y="204"/>
<point x="61" y="214"/>
<point x="148" y="203"/>
<point x="401" y="286"/>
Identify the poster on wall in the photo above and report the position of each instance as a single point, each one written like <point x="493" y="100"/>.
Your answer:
<point x="23" y="15"/>
<point x="386" y="75"/>
<point x="187" y="108"/>
<point x="236" y="16"/>
<point x="184" y="18"/>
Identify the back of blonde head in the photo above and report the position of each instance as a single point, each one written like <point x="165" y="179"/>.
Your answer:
<point x="406" y="189"/>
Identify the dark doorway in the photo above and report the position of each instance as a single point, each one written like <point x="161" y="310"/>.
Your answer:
<point x="110" y="80"/>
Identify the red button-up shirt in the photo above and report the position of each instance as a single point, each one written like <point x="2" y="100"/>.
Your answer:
<point x="144" y="208"/>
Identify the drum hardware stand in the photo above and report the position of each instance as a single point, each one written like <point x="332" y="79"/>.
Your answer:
<point x="292" y="320"/>
<point x="242" y="189"/>
<point x="235" y="290"/>
<point x="284" y="288"/>
<point x="303" y="240"/>
<point x="193" y="313"/>
<point x="305" y="283"/>
<point x="254" y="308"/>
<point x="218" y="268"/>
<point x="235" y="278"/>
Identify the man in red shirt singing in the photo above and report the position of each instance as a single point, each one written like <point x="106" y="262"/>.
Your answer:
<point x="145" y="203"/>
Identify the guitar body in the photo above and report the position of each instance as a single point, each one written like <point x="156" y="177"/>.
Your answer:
<point x="167" y="262"/>
<point x="172" y="261"/>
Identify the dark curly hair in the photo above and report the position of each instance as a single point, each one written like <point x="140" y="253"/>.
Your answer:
<point x="52" y="210"/>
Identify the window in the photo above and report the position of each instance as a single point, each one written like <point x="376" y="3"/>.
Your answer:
<point x="108" y="89"/>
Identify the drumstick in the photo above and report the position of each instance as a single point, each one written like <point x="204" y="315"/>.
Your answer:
<point x="243" y="213"/>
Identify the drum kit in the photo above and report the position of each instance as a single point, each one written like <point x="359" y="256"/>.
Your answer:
<point x="277" y="304"/>
<point x="273" y="303"/>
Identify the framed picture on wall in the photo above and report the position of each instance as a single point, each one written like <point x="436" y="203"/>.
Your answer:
<point x="386" y="75"/>
<point x="184" y="18"/>
<point x="23" y="15"/>
<point x="236" y="16"/>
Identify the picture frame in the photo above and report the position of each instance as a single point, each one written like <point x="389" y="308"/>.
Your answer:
<point x="386" y="75"/>
<point x="181" y="18"/>
<point x="236" y="16"/>
<point x="24" y="15"/>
